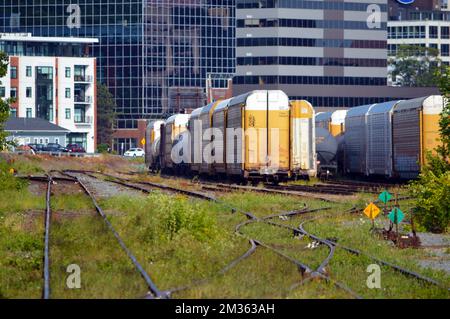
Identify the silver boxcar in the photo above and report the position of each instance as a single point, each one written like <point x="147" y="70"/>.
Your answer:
<point x="415" y="131"/>
<point x="355" y="140"/>
<point x="379" y="139"/>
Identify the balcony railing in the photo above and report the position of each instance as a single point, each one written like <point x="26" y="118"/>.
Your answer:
<point x="83" y="120"/>
<point x="83" y="78"/>
<point x="83" y="99"/>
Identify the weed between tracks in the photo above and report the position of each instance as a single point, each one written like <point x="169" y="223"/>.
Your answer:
<point x="177" y="241"/>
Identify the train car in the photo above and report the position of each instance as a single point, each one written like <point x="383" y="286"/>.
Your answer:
<point x="355" y="141"/>
<point x="326" y="150"/>
<point x="334" y="122"/>
<point x="219" y="121"/>
<point x="152" y="137"/>
<point x="260" y="114"/>
<point x="196" y="151"/>
<point x="337" y="125"/>
<point x="415" y="131"/>
<point x="206" y="118"/>
<point x="379" y="139"/>
<point x="303" y="162"/>
<point x="174" y="126"/>
<point x="323" y="120"/>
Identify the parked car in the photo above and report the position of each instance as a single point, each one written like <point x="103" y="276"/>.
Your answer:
<point x="75" y="148"/>
<point x="37" y="147"/>
<point x="54" y="147"/>
<point x="135" y="152"/>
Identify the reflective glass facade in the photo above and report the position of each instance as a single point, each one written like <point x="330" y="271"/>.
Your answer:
<point x="154" y="55"/>
<point x="313" y="49"/>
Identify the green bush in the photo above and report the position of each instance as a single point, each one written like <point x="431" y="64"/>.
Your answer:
<point x="102" y="148"/>
<point x="432" y="193"/>
<point x="7" y="180"/>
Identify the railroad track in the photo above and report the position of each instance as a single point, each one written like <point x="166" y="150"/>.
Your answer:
<point x="357" y="252"/>
<point x="49" y="179"/>
<point x="307" y="271"/>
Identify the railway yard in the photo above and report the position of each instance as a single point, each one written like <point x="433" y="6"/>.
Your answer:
<point x="133" y="234"/>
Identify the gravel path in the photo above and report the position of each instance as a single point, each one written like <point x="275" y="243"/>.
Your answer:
<point x="104" y="189"/>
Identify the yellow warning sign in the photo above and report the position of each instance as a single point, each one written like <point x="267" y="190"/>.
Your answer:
<point x="372" y="211"/>
<point x="143" y="141"/>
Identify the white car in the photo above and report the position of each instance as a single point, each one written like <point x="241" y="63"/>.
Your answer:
<point x="134" y="152"/>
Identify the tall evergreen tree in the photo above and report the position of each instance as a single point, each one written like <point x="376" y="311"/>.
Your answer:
<point x="106" y="114"/>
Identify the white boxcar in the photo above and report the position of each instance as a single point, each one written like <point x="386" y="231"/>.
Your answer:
<point x="174" y="126"/>
<point x="196" y="152"/>
<point x="152" y="137"/>
<point x="356" y="140"/>
<point x="303" y="139"/>
<point x="337" y="125"/>
<point x="206" y="118"/>
<point x="219" y="122"/>
<point x="379" y="139"/>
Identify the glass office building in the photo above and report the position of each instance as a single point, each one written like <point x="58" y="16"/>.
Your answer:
<point x="331" y="53"/>
<point x="154" y="55"/>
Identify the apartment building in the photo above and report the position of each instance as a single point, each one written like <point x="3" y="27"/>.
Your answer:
<point x="53" y="79"/>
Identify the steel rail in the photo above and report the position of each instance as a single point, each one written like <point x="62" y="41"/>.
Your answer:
<point x="381" y="261"/>
<point x="251" y="219"/>
<point x="152" y="286"/>
<point x="223" y="271"/>
<point x="48" y="214"/>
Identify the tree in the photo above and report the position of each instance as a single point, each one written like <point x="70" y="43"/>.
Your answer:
<point x="4" y="104"/>
<point x="415" y="66"/>
<point x="106" y="114"/>
<point x="432" y="189"/>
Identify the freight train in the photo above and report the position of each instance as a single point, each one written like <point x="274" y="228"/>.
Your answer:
<point x="262" y="135"/>
<point x="387" y="140"/>
<point x="256" y="136"/>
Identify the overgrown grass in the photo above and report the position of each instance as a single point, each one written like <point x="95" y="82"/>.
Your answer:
<point x="354" y="231"/>
<point x="178" y="240"/>
<point x="106" y="271"/>
<point x="21" y="244"/>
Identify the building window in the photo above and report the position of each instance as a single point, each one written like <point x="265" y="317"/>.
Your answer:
<point x="13" y="93"/>
<point x="29" y="92"/>
<point x="13" y="72"/>
<point x="445" y="50"/>
<point x="68" y="93"/>
<point x="68" y="114"/>
<point x="28" y="71"/>
<point x="445" y="32"/>
<point x="68" y="72"/>
<point x="433" y="32"/>
<point x="13" y="112"/>
<point x="2" y="91"/>
<point x="57" y="140"/>
<point x="29" y="112"/>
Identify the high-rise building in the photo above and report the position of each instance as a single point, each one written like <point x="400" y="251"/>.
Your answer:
<point x="331" y="53"/>
<point x="154" y="55"/>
